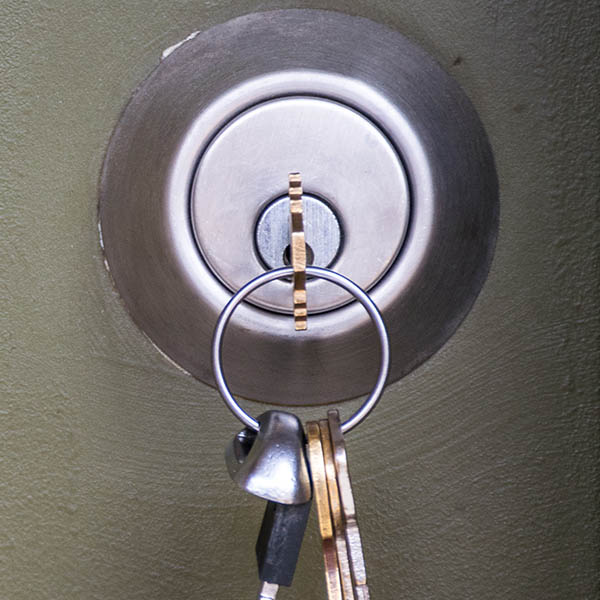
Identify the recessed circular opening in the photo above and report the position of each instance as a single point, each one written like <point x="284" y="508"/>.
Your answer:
<point x="287" y="256"/>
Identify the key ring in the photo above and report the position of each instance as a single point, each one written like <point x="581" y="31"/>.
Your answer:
<point x="217" y="346"/>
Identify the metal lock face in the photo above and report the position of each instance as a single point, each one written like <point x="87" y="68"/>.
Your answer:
<point x="401" y="196"/>
<point x="323" y="233"/>
<point x="351" y="172"/>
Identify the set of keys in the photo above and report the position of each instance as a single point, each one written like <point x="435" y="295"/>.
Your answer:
<point x="288" y="469"/>
<point x="274" y="458"/>
<point x="345" y="571"/>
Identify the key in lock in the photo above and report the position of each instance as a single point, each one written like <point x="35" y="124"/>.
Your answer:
<point x="181" y="206"/>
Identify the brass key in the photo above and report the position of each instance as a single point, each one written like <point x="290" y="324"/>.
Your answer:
<point x="351" y="530"/>
<point x="321" y="497"/>
<point x="298" y="251"/>
<point x="336" y="513"/>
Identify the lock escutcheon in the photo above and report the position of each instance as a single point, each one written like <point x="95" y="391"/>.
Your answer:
<point x="164" y="200"/>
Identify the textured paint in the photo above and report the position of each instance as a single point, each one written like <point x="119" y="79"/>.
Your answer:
<point x="476" y="478"/>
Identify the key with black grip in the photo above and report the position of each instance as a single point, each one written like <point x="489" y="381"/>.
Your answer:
<point x="278" y="545"/>
<point x="272" y="464"/>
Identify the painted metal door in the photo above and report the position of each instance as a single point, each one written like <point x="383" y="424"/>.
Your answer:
<point x="477" y="475"/>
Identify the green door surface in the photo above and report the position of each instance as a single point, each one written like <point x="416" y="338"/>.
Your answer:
<point x="477" y="476"/>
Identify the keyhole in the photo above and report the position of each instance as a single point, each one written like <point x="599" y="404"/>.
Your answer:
<point x="287" y="255"/>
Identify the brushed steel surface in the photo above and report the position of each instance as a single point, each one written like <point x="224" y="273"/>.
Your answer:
<point x="151" y="249"/>
<point x="321" y="229"/>
<point x="342" y="156"/>
<point x="271" y="464"/>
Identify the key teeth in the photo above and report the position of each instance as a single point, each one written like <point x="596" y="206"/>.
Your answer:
<point x="298" y="251"/>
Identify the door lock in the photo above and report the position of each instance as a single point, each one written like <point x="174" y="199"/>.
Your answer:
<point x="400" y="196"/>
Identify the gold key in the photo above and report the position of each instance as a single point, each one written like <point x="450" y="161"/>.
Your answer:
<point x="298" y="251"/>
<point x="336" y="513"/>
<point x="351" y="531"/>
<point x="321" y="498"/>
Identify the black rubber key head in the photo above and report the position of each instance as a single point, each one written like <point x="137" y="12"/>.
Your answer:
<point x="279" y="541"/>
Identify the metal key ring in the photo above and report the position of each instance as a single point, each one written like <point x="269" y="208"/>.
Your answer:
<point x="217" y="346"/>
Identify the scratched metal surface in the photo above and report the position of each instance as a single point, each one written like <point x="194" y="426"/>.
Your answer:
<point x="476" y="477"/>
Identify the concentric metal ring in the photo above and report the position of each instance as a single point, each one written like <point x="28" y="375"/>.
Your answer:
<point x="217" y="346"/>
<point x="151" y="165"/>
